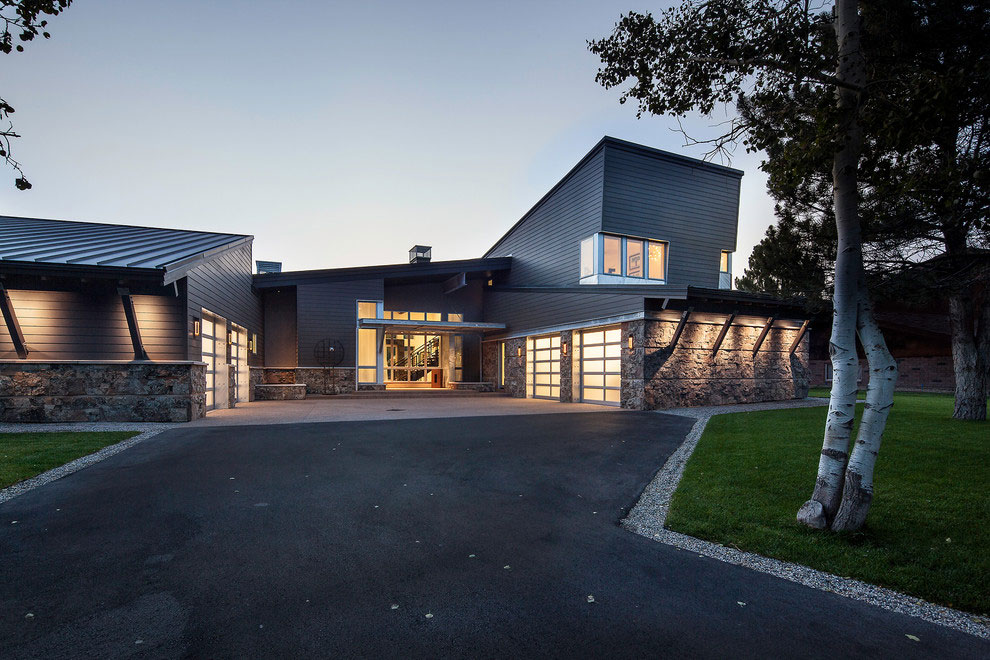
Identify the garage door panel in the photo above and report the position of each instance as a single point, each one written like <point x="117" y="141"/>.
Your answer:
<point x="601" y="366"/>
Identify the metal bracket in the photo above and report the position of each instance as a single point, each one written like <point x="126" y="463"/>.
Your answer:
<point x="680" y="328"/>
<point x="132" y="324"/>
<point x="763" y="334"/>
<point x="800" y="336"/>
<point x="723" y="332"/>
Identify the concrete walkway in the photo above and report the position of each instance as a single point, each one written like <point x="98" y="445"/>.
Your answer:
<point x="332" y="409"/>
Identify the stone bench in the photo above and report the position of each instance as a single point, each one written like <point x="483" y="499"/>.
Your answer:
<point x="280" y="392"/>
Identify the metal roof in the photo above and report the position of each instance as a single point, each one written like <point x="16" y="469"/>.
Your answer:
<point x="421" y="272"/>
<point x="67" y="243"/>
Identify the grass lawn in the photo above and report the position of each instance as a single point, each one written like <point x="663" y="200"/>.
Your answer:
<point x="23" y="455"/>
<point x="927" y="532"/>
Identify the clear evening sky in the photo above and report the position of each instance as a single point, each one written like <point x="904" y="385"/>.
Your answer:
<point x="338" y="134"/>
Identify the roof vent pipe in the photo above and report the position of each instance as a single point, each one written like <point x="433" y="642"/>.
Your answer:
<point x="420" y="254"/>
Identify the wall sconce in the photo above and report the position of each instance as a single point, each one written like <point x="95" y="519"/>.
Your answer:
<point x="563" y="348"/>
<point x="230" y="337"/>
<point x="254" y="343"/>
<point x="630" y="342"/>
<point x="518" y="351"/>
<point x="491" y="282"/>
<point x="196" y="327"/>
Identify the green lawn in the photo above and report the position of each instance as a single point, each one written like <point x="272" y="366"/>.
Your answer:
<point x="23" y="455"/>
<point x="927" y="533"/>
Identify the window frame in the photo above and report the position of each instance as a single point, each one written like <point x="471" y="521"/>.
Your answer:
<point x="597" y="242"/>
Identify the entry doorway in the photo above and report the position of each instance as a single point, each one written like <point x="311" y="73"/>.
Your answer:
<point x="601" y="366"/>
<point x="413" y="360"/>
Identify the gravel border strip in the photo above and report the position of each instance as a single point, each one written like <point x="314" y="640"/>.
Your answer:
<point x="21" y="487"/>
<point x="649" y="516"/>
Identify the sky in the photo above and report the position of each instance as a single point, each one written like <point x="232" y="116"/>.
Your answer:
<point x="337" y="133"/>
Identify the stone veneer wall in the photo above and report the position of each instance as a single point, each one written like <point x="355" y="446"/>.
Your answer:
<point x="489" y="362"/>
<point x="691" y="376"/>
<point x="84" y="391"/>
<point x="567" y="366"/>
<point x="316" y="379"/>
<point x="515" y="367"/>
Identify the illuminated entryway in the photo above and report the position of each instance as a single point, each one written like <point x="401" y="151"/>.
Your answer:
<point x="412" y="358"/>
<point x="239" y="359"/>
<point x="543" y="367"/>
<point x="601" y="366"/>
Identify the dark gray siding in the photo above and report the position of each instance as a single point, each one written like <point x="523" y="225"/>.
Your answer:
<point x="523" y="311"/>
<point x="695" y="208"/>
<point x="73" y="325"/>
<point x="281" y="340"/>
<point x="329" y="310"/>
<point x="222" y="285"/>
<point x="545" y="245"/>
<point x="429" y="297"/>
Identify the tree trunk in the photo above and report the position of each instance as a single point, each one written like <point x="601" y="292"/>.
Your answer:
<point x="820" y="510"/>
<point x="857" y="492"/>
<point x="968" y="363"/>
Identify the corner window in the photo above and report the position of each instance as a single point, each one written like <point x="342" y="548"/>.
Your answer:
<point x="724" y="266"/>
<point x="612" y="261"/>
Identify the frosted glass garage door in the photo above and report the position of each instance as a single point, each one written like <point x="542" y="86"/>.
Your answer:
<point x="543" y="367"/>
<point x="601" y="366"/>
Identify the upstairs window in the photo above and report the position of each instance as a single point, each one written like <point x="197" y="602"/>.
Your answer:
<point x="724" y="266"/>
<point x="611" y="259"/>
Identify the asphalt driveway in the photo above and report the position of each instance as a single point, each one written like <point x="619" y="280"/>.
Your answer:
<point x="477" y="536"/>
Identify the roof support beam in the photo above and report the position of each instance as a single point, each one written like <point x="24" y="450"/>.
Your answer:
<point x="132" y="324"/>
<point x="722" y="333"/>
<point x="800" y="336"/>
<point x="763" y="334"/>
<point x="680" y="328"/>
<point x="13" y="327"/>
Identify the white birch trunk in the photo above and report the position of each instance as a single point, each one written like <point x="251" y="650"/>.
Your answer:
<point x="857" y="491"/>
<point x="851" y="69"/>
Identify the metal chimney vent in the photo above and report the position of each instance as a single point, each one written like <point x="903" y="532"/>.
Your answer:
<point x="420" y="254"/>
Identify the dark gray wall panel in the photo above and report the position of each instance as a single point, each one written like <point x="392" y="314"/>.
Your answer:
<point x="545" y="245"/>
<point x="280" y="327"/>
<point x="523" y="311"/>
<point x="330" y="310"/>
<point x="223" y="286"/>
<point x="429" y="297"/>
<point x="73" y="325"/>
<point x="695" y="208"/>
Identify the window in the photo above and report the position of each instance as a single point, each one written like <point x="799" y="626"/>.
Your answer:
<point x="610" y="259"/>
<point x="367" y="342"/>
<point x="634" y="258"/>
<point x="724" y="262"/>
<point x="455" y="318"/>
<point x="367" y="310"/>
<point x="588" y="257"/>
<point x="613" y="255"/>
<point x="658" y="260"/>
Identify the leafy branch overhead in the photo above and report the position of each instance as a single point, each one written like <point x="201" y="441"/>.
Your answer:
<point x="23" y="22"/>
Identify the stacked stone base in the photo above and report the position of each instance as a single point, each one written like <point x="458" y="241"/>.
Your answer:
<point x="82" y="391"/>
<point x="287" y="392"/>
<point x="316" y="379"/>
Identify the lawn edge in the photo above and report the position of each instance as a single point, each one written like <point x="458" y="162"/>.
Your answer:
<point x="648" y="518"/>
<point x="21" y="487"/>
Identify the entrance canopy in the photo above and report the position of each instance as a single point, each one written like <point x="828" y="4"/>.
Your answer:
<point x="431" y="327"/>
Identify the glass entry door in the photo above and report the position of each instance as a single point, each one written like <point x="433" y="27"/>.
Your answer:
<point x="411" y="358"/>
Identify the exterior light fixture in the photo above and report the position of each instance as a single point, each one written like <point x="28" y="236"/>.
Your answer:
<point x="491" y="282"/>
<point x="196" y="327"/>
<point x="630" y="342"/>
<point x="230" y="337"/>
<point x="563" y="348"/>
<point x="518" y="351"/>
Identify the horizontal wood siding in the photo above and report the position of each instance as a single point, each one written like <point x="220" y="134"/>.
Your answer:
<point x="72" y="325"/>
<point x="429" y="297"/>
<point x="281" y="340"/>
<point x="523" y="311"/>
<point x="222" y="285"/>
<point x="330" y="311"/>
<point x="695" y="208"/>
<point x="545" y="246"/>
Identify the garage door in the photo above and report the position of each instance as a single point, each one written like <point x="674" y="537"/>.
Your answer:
<point x="543" y="367"/>
<point x="601" y="366"/>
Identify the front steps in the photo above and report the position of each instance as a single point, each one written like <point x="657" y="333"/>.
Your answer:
<point x="411" y="393"/>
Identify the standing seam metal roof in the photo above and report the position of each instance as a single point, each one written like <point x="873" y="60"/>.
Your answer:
<point x="93" y="244"/>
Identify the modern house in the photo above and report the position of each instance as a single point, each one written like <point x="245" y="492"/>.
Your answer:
<point x="613" y="289"/>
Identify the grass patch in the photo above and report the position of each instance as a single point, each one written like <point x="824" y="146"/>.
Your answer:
<point x="24" y="455"/>
<point x="926" y="534"/>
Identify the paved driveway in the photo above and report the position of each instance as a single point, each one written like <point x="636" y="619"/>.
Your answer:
<point x="482" y="536"/>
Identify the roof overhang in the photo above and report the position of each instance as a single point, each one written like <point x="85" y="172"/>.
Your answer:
<point x="432" y="327"/>
<point x="434" y="271"/>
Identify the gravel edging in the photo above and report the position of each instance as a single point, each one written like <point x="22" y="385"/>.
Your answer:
<point x="649" y="516"/>
<point x="146" y="431"/>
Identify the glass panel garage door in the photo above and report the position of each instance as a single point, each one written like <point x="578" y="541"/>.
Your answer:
<point x="543" y="367"/>
<point x="601" y="366"/>
<point x="212" y="345"/>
